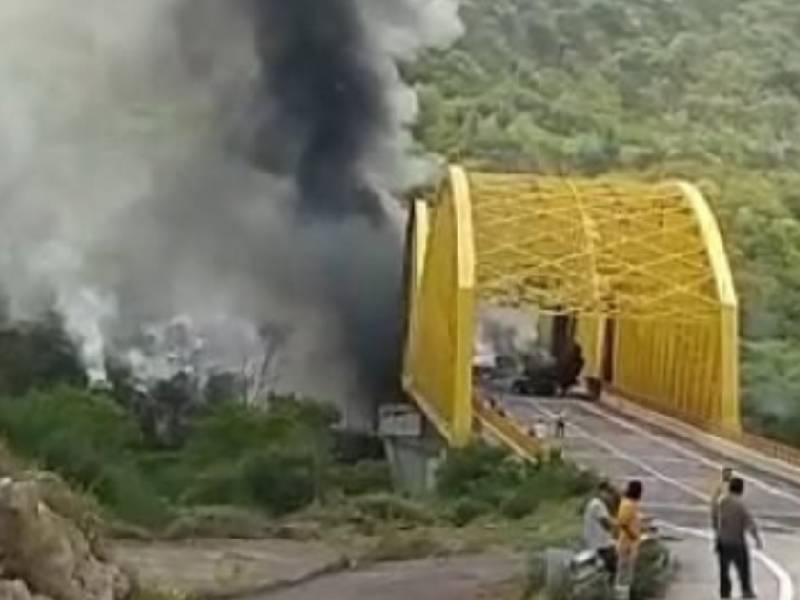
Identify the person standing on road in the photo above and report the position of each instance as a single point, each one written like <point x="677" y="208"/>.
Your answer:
<point x="541" y="430"/>
<point x="720" y="491"/>
<point x="733" y="523"/>
<point x="629" y="524"/>
<point x="598" y="528"/>
<point x="722" y="486"/>
<point x="561" y="423"/>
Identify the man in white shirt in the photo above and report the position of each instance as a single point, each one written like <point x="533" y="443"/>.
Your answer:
<point x="598" y="528"/>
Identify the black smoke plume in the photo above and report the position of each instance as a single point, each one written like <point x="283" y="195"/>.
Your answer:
<point x="229" y="163"/>
<point x="319" y="104"/>
<point x="318" y="109"/>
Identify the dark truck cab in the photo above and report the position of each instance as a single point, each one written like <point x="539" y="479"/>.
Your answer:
<point x="538" y="376"/>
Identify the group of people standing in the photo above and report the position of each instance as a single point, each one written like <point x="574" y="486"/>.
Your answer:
<point x="613" y="529"/>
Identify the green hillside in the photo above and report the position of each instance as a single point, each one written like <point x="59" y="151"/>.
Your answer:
<point x="708" y="90"/>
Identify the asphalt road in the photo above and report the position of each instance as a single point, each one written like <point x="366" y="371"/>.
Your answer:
<point x="679" y="478"/>
<point x="460" y="578"/>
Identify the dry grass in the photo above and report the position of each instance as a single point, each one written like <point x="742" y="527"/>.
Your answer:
<point x="406" y="545"/>
<point x="220" y="522"/>
<point x="369" y="539"/>
<point x="153" y="594"/>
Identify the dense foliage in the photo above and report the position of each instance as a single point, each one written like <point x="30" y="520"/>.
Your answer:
<point x="480" y="479"/>
<point x="703" y="89"/>
<point x="274" y="459"/>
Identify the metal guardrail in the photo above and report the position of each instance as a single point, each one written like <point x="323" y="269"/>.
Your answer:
<point x="769" y="448"/>
<point x="491" y="415"/>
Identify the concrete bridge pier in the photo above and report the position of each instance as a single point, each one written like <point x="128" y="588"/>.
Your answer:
<point x="414" y="448"/>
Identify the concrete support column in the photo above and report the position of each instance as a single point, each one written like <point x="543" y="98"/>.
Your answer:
<point x="413" y="447"/>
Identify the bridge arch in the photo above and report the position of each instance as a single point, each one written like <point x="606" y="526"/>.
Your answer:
<point x="640" y="266"/>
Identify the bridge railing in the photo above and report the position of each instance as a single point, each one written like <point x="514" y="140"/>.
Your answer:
<point x="492" y="418"/>
<point x="766" y="447"/>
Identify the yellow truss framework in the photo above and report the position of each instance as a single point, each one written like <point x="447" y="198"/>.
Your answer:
<point x="641" y="266"/>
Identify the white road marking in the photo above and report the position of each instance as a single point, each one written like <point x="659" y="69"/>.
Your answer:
<point x="785" y="585"/>
<point x="786" y="589"/>
<point x="685" y="451"/>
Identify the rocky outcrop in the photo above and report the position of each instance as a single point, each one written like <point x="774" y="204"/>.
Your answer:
<point x="42" y="552"/>
<point x="17" y="590"/>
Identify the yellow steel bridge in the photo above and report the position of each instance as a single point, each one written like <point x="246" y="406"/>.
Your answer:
<point x="640" y="267"/>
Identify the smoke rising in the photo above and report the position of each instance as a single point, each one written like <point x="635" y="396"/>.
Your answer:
<point x="228" y="162"/>
<point x="506" y="332"/>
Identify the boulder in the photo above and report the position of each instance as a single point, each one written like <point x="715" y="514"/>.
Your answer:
<point x="48" y="552"/>
<point x="17" y="590"/>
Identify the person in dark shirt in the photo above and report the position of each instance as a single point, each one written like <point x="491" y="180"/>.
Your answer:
<point x="733" y="523"/>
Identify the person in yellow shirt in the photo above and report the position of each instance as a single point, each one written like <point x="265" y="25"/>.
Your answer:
<point x="629" y="535"/>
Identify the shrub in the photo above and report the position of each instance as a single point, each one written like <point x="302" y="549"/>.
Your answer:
<point x="522" y="503"/>
<point x="131" y="497"/>
<point x="276" y="482"/>
<point x="558" y="481"/>
<point x="481" y="476"/>
<point x="214" y="485"/>
<point x="365" y="477"/>
<point x="87" y="439"/>
<point x="465" y="510"/>
<point x="65" y="416"/>
<point x="479" y="470"/>
<point x="654" y="571"/>
<point x="231" y="430"/>
<point x="279" y="482"/>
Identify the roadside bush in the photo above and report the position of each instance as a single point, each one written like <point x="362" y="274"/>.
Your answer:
<point x="215" y="485"/>
<point x="465" y="510"/>
<point x="559" y="480"/>
<point x="66" y="417"/>
<point x="654" y="571"/>
<point x="479" y="471"/>
<point x="272" y="459"/>
<point x="279" y="482"/>
<point x="481" y="475"/>
<point x="520" y="504"/>
<point x="365" y="477"/>
<point x="131" y="497"/>
<point x="231" y="430"/>
<point x="89" y="441"/>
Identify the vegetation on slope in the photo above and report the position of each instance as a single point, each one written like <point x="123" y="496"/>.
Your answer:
<point x="707" y="90"/>
<point x="274" y="459"/>
<point x="248" y="470"/>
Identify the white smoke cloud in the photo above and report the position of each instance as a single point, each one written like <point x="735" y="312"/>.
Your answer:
<point x="400" y="31"/>
<point x="119" y="205"/>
